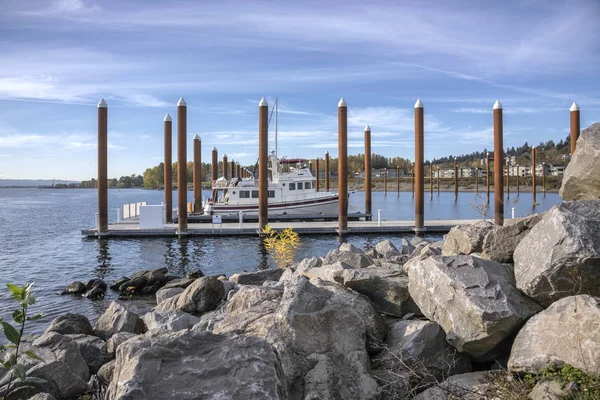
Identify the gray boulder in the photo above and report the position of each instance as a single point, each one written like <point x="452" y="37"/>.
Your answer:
<point x="500" y="243"/>
<point x="192" y="365"/>
<point x="75" y="288"/>
<point x="165" y="293"/>
<point x="63" y="368"/>
<point x="566" y="332"/>
<point x="43" y="396"/>
<point x="466" y="239"/>
<point x="71" y="324"/>
<point x="386" y="249"/>
<point x="548" y="390"/>
<point x="474" y="300"/>
<point x="561" y="254"/>
<point x="258" y="277"/>
<point x="305" y="266"/>
<point x="169" y="320"/>
<point x="115" y="341"/>
<point x="181" y="283"/>
<point x="105" y="372"/>
<point x="250" y="296"/>
<point x="349" y="255"/>
<point x="93" y="350"/>
<point x="329" y="272"/>
<point x="581" y="180"/>
<point x="407" y="247"/>
<point x="422" y="345"/>
<point x="469" y="386"/>
<point x="116" y="319"/>
<point x="201" y="296"/>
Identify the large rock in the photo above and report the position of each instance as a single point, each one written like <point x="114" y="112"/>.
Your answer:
<point x="43" y="396"/>
<point x="179" y="283"/>
<point x="115" y="341"/>
<point x="63" y="368"/>
<point x="328" y="272"/>
<point x="169" y="320"/>
<point x="258" y="277"/>
<point x="469" y="386"/>
<point x="566" y="332"/>
<point x="166" y="293"/>
<point x="466" y="239"/>
<point x="117" y="319"/>
<point x="422" y="344"/>
<point x="474" y="300"/>
<point x="95" y="289"/>
<point x="560" y="256"/>
<point x="93" y="350"/>
<point x="349" y="255"/>
<point x="201" y="296"/>
<point x="386" y="249"/>
<point x="500" y="243"/>
<point x="323" y="333"/>
<point x="76" y="287"/>
<point x="250" y="296"/>
<point x="105" y="373"/>
<point x="193" y="365"/>
<point x="581" y="180"/>
<point x="71" y="324"/>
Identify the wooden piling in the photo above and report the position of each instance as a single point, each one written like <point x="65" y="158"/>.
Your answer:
<point x="533" y="184"/>
<point x="168" y="168"/>
<point x="455" y="180"/>
<point x="544" y="177"/>
<point x="398" y="179"/>
<point x="385" y="181"/>
<point x="498" y="157"/>
<point x="507" y="177"/>
<point x="197" y="173"/>
<point x="575" y="126"/>
<point x="225" y="167"/>
<point x="418" y="167"/>
<point x="368" y="196"/>
<point x="238" y="171"/>
<point x="430" y="180"/>
<point x="327" y="171"/>
<point x="342" y="166"/>
<point x="487" y="175"/>
<point x="317" y="174"/>
<point x="215" y="165"/>
<point x="263" y="163"/>
<point x="182" y="165"/>
<point x="102" y="167"/>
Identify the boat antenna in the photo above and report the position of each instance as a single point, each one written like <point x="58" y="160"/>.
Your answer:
<point x="276" y="115"/>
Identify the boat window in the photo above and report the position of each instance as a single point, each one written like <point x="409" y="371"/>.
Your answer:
<point x="255" y="194"/>
<point x="299" y="185"/>
<point x="244" y="194"/>
<point x="271" y="194"/>
<point x="292" y="186"/>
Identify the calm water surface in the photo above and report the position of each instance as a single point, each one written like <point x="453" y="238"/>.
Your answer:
<point x="40" y="240"/>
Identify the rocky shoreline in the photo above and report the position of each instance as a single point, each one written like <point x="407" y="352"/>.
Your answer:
<point x="462" y="318"/>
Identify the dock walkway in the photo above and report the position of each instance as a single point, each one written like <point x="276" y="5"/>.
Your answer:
<point x="131" y="229"/>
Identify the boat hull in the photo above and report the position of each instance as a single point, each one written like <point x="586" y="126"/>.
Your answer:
<point x="315" y="206"/>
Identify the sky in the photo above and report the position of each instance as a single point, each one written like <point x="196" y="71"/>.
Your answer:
<point x="59" y="58"/>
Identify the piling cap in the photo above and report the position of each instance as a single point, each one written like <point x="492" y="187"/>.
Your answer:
<point x="214" y="148"/>
<point x="224" y="155"/>
<point x="196" y="137"/>
<point x="419" y="104"/>
<point x="497" y="105"/>
<point x="342" y="103"/>
<point x="168" y="118"/>
<point x="327" y="152"/>
<point x="367" y="128"/>
<point x="103" y="104"/>
<point x="181" y="103"/>
<point x="574" y="107"/>
<point x="263" y="103"/>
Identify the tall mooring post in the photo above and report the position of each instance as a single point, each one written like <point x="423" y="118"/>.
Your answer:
<point x="385" y="181"/>
<point x="168" y="168"/>
<point x="418" y="166"/>
<point x="498" y="158"/>
<point x="214" y="164"/>
<point x="533" y="184"/>
<point x="263" y="163"/>
<point x="476" y="180"/>
<point x="487" y="175"/>
<point x="438" y="181"/>
<point x="575" y="126"/>
<point x="225" y="167"/>
<point x="342" y="166"/>
<point x="238" y="171"/>
<point x="182" y="165"/>
<point x="455" y="180"/>
<point x="232" y="163"/>
<point x="327" y="171"/>
<point x="102" y="167"/>
<point x="544" y="177"/>
<point x="368" y="197"/>
<point x="317" y="174"/>
<point x="197" y="173"/>
<point x="518" y="184"/>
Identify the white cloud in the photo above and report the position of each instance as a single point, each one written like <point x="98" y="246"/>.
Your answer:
<point x="18" y="141"/>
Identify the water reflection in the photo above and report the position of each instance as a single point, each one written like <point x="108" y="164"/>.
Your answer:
<point x="263" y="262"/>
<point x="104" y="258"/>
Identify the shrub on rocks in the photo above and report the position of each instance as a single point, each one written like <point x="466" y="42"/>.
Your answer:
<point x="560" y="256"/>
<point x="474" y="300"/>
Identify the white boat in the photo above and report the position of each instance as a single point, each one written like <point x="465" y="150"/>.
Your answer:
<point x="291" y="190"/>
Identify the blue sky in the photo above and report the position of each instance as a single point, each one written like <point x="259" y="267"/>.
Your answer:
<point x="59" y="58"/>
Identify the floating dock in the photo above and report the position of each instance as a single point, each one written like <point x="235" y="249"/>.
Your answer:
<point x="131" y="229"/>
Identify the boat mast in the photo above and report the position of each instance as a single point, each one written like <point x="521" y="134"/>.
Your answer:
<point x="276" y="114"/>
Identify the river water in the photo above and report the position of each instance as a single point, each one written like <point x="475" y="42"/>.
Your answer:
<point x="40" y="241"/>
